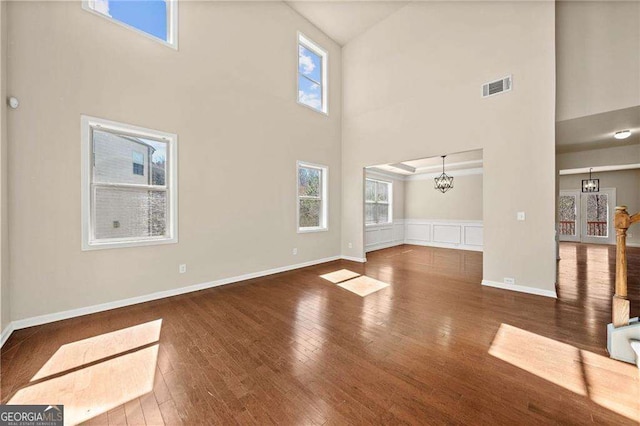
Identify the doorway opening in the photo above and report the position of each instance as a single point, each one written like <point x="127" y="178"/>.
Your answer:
<point x="411" y="203"/>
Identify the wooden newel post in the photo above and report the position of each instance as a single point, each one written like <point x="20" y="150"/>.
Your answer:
<point x="620" y="306"/>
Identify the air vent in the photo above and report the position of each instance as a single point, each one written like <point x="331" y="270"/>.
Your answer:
<point x="496" y="87"/>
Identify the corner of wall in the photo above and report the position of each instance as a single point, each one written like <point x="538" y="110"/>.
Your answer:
<point x="5" y="305"/>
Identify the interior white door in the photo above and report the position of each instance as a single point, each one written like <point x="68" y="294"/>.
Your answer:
<point x="569" y="225"/>
<point x="597" y="214"/>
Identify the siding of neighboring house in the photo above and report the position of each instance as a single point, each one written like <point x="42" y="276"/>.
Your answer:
<point x="124" y="212"/>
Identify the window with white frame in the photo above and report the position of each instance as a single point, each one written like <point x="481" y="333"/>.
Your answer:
<point x="312" y="74"/>
<point x="377" y="202"/>
<point x="157" y="19"/>
<point x="124" y="206"/>
<point x="312" y="197"/>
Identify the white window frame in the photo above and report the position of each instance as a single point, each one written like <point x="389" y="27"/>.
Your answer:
<point x="388" y="203"/>
<point x="324" y="88"/>
<point x="324" y="197"/>
<point x="89" y="242"/>
<point x="172" y="22"/>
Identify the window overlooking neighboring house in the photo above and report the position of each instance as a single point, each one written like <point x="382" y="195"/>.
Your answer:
<point x="138" y="163"/>
<point x="122" y="207"/>
<point x="312" y="197"/>
<point x="378" y="196"/>
<point x="312" y="75"/>
<point x="157" y="19"/>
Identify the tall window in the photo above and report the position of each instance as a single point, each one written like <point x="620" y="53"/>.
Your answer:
<point x="121" y="206"/>
<point x="312" y="75"/>
<point x="155" y="18"/>
<point x="377" y="207"/>
<point x="312" y="197"/>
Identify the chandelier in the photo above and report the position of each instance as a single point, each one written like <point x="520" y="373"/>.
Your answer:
<point x="590" y="185"/>
<point x="444" y="182"/>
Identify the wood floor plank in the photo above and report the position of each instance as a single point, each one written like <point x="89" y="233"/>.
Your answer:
<point x="133" y="411"/>
<point x="151" y="410"/>
<point x="293" y="348"/>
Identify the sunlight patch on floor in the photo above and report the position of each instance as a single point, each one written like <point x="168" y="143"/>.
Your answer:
<point x="339" y="276"/>
<point x="363" y="286"/>
<point x="612" y="384"/>
<point x="89" y="350"/>
<point x="91" y="376"/>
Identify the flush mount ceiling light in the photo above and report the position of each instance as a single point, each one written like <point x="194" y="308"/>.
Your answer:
<point x="590" y="185"/>
<point x="444" y="182"/>
<point x="622" y="134"/>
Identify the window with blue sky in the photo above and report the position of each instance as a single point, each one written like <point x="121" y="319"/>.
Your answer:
<point x="312" y="78"/>
<point x="155" y="18"/>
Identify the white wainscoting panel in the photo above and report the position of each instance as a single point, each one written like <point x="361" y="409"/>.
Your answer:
<point x="473" y="235"/>
<point x="377" y="237"/>
<point x="418" y="231"/>
<point x="456" y="234"/>
<point x="449" y="234"/>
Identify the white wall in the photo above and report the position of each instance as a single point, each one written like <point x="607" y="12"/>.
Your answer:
<point x="415" y="76"/>
<point x="463" y="202"/>
<point x="230" y="95"/>
<point x="598" y="46"/>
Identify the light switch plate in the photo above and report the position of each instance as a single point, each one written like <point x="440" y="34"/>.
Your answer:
<point x="521" y="216"/>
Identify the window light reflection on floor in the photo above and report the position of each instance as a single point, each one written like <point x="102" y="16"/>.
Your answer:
<point x="612" y="384"/>
<point x="91" y="376"/>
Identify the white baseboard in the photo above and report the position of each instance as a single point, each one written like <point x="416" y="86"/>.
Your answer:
<point x="521" y="288"/>
<point x="44" y="319"/>
<point x="354" y="259"/>
<point x="633" y="244"/>
<point x="443" y="245"/>
<point x="381" y="246"/>
<point x="6" y="333"/>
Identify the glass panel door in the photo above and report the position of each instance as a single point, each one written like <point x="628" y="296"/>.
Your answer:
<point x="597" y="212"/>
<point x="569" y="224"/>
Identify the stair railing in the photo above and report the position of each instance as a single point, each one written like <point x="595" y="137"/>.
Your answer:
<point x="620" y="307"/>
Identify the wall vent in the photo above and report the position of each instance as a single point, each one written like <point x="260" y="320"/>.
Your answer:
<point x="497" y="86"/>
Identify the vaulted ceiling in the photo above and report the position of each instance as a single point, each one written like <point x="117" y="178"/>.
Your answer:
<point x="345" y="20"/>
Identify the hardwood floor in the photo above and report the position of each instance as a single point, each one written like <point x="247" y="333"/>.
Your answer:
<point x="293" y="348"/>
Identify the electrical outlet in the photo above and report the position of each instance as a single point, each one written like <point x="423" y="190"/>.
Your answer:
<point x="630" y="235"/>
<point x="350" y="245"/>
<point x="182" y="268"/>
<point x="295" y="251"/>
<point x="521" y="216"/>
<point x="510" y="281"/>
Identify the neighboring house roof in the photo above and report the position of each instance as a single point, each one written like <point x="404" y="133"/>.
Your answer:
<point x="137" y="140"/>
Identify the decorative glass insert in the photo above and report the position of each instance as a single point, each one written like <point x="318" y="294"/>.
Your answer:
<point x="568" y="215"/>
<point x="597" y="215"/>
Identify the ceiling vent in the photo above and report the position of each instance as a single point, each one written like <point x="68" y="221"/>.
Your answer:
<point x="496" y="87"/>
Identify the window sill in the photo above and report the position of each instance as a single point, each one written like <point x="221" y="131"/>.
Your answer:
<point x="129" y="243"/>
<point x="319" y="111"/>
<point x="309" y="230"/>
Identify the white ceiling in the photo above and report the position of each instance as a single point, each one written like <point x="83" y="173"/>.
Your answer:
<point x="458" y="161"/>
<point x="345" y="20"/>
<point x="596" y="131"/>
